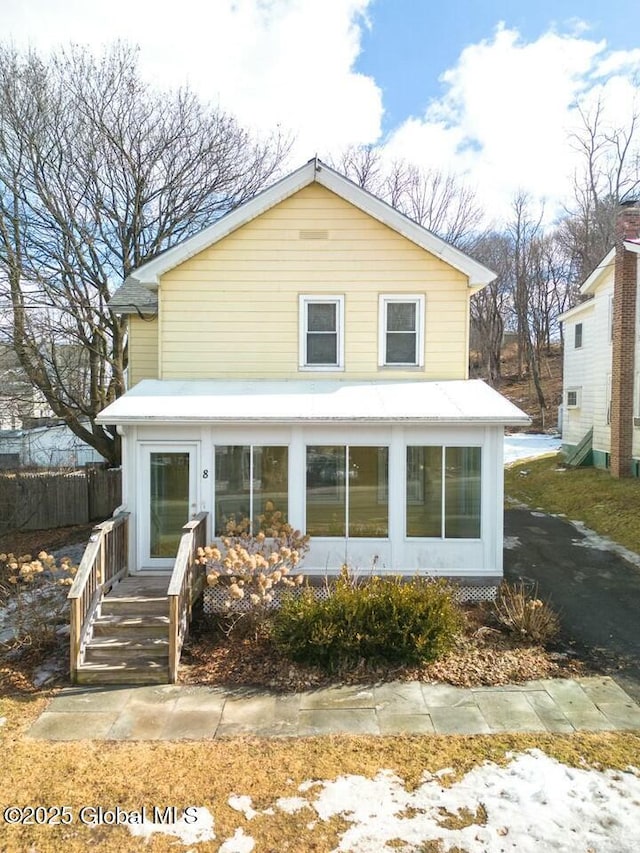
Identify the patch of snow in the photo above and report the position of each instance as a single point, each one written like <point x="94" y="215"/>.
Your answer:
<point x="240" y="843"/>
<point x="601" y="543"/>
<point x="242" y="804"/>
<point x="534" y="803"/>
<point x="3" y="721"/>
<point x="512" y="542"/>
<point x="539" y="514"/>
<point x="525" y="446"/>
<point x="291" y="805"/>
<point x="200" y="830"/>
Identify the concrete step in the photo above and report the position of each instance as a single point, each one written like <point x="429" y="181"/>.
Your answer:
<point x="149" y="625"/>
<point x="135" y="606"/>
<point x="117" y="649"/>
<point x="139" y="670"/>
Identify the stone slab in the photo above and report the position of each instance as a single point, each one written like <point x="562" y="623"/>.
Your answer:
<point x="446" y="696"/>
<point x="549" y="712"/>
<point x="91" y="700"/>
<point x="508" y="712"/>
<point x="578" y="708"/>
<point x="622" y="715"/>
<point x="260" y="716"/>
<point x="400" y="698"/>
<point x="459" y="720"/>
<point x="407" y="724"/>
<point x="353" y="721"/>
<point x="141" y="721"/>
<point x="70" y="726"/>
<point x="190" y="725"/>
<point x="337" y="698"/>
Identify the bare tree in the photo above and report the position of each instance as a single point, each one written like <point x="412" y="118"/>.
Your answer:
<point x="99" y="174"/>
<point x="439" y="201"/>
<point x="609" y="174"/>
<point x="489" y="307"/>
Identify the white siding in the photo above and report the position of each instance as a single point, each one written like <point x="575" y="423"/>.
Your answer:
<point x="578" y="364"/>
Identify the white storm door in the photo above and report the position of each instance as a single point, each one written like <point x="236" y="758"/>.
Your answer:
<point x="168" y="500"/>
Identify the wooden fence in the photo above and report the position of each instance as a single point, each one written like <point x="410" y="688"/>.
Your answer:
<point x="46" y="499"/>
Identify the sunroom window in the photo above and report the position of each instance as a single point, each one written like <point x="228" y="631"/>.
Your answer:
<point x="443" y="498"/>
<point x="347" y="491"/>
<point x="251" y="484"/>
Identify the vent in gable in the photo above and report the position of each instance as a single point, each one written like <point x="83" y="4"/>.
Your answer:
<point x="314" y="234"/>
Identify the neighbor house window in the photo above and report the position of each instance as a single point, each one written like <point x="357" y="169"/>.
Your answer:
<point x="573" y="398"/>
<point x="251" y="486"/>
<point x="401" y="331"/>
<point x="443" y="498"/>
<point x="608" y="398"/>
<point x="322" y="332"/>
<point x="347" y="491"/>
<point x="578" y="336"/>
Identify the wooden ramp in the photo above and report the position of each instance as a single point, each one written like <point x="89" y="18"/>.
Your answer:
<point x="129" y="641"/>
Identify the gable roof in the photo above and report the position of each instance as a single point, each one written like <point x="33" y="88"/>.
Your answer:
<point x="138" y="291"/>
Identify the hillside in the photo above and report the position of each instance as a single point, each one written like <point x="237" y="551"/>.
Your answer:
<point x="522" y="392"/>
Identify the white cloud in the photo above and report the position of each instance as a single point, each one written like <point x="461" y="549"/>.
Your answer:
<point x="270" y="62"/>
<point x="509" y="109"/>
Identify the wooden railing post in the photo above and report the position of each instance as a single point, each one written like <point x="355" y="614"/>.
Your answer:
<point x="94" y="574"/>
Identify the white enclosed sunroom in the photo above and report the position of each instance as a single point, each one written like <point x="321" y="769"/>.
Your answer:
<point x="390" y="477"/>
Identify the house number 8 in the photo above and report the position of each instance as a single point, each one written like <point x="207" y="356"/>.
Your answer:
<point x="205" y="474"/>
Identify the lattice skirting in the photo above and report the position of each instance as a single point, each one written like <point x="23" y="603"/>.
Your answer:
<point x="215" y="597"/>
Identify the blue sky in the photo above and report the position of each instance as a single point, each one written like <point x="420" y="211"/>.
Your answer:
<point x="491" y="90"/>
<point x="409" y="43"/>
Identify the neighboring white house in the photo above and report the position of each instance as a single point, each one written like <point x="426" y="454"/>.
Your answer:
<point x="53" y="446"/>
<point x="601" y="380"/>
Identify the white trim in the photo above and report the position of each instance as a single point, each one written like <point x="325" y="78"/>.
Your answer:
<point x="145" y="562"/>
<point x="149" y="274"/>
<point x="570" y="313"/>
<point x="577" y="390"/>
<point x="305" y="299"/>
<point x="632" y="246"/>
<point x="384" y="300"/>
<point x="577" y="345"/>
<point x="590" y="283"/>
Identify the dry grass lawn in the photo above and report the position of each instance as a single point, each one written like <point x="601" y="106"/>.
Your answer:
<point x="207" y="773"/>
<point x="608" y="506"/>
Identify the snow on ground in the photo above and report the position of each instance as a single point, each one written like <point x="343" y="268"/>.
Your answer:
<point x="533" y="803"/>
<point x="524" y="446"/>
<point x="601" y="543"/>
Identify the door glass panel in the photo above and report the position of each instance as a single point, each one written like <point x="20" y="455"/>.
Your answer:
<point x="169" y="501"/>
<point x="326" y="505"/>
<point x="368" y="501"/>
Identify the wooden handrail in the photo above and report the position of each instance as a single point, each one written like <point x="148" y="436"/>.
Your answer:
<point x="104" y="561"/>
<point x="183" y="588"/>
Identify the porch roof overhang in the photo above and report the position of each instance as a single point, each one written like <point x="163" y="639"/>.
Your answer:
<point x="469" y="402"/>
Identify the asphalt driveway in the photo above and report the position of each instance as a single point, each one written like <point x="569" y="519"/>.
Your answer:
<point x="596" y="590"/>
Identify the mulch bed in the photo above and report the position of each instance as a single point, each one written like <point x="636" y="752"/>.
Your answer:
<point x="483" y="655"/>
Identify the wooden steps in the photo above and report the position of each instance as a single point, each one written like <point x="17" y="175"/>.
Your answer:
<point x="129" y="638"/>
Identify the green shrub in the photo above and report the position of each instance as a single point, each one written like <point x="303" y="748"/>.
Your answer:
<point x="378" y="620"/>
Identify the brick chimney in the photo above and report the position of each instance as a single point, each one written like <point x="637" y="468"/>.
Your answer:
<point x="623" y="355"/>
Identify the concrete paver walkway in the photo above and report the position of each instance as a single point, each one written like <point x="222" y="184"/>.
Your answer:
<point x="175" y="712"/>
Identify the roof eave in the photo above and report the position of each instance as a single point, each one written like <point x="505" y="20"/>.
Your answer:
<point x="590" y="284"/>
<point x="134" y="420"/>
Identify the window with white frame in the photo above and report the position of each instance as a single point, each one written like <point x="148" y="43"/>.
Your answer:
<point x="444" y="492"/>
<point x="610" y="318"/>
<point x="573" y="398"/>
<point x="251" y="486"/>
<point x="608" y="398"/>
<point x="401" y="331"/>
<point x="322" y="332"/>
<point x="577" y="340"/>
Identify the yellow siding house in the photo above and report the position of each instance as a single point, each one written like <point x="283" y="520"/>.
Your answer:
<point x="309" y="351"/>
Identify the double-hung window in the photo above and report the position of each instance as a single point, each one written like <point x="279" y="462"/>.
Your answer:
<point x="577" y="339"/>
<point x="322" y="332"/>
<point x="401" y="331"/>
